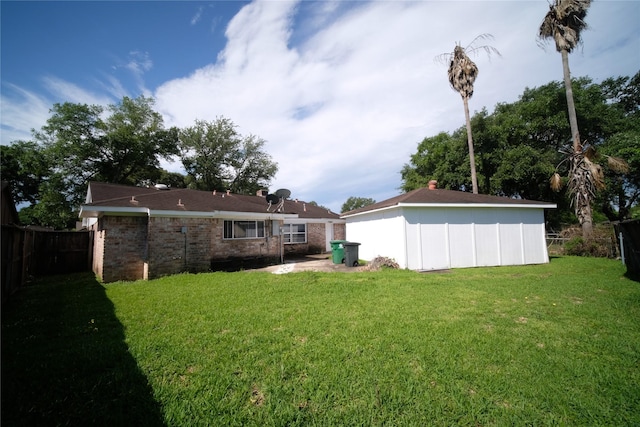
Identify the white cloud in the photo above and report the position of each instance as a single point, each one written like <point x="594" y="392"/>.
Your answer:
<point x="113" y="86"/>
<point x="70" y="92"/>
<point x="21" y="112"/>
<point x="196" y="18"/>
<point x="139" y="63"/>
<point x="343" y="110"/>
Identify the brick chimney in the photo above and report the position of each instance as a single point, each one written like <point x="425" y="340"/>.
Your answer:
<point x="433" y="184"/>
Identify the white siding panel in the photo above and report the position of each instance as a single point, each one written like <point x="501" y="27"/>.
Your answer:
<point x="461" y="247"/>
<point x="379" y="234"/>
<point x="535" y="244"/>
<point x="510" y="244"/>
<point x="427" y="241"/>
<point x="487" y="245"/>
<point x="435" y="252"/>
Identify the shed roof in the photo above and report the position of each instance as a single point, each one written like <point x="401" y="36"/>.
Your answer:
<point x="447" y="198"/>
<point x="183" y="201"/>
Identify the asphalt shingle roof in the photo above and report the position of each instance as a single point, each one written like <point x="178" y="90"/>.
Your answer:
<point x="187" y="200"/>
<point x="428" y="196"/>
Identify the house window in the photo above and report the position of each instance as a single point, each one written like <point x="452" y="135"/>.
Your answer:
<point x="243" y="229"/>
<point x="294" y="233"/>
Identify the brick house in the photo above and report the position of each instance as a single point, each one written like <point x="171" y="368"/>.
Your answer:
<point x="145" y="233"/>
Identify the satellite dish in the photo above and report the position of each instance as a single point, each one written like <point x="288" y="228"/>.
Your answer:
<point x="272" y="199"/>
<point x="283" y="193"/>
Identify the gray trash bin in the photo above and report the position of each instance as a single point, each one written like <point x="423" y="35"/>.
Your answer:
<point x="351" y="254"/>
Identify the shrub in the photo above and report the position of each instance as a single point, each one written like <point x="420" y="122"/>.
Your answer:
<point x="601" y="244"/>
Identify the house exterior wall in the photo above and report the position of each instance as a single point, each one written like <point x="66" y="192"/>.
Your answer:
<point x="98" y="250"/>
<point x="437" y="238"/>
<point x="120" y="248"/>
<point x="197" y="244"/>
<point x="178" y="245"/>
<point x="318" y="237"/>
<point x="315" y="243"/>
<point x="143" y="247"/>
<point x="339" y="232"/>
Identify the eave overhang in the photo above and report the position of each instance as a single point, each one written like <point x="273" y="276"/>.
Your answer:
<point x="87" y="211"/>
<point x="457" y="205"/>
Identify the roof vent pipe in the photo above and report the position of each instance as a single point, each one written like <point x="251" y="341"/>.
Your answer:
<point x="433" y="184"/>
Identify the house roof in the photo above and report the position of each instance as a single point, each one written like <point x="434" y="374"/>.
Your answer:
<point x="425" y="197"/>
<point x="105" y="198"/>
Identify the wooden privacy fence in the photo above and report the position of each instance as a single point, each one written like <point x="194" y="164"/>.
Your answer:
<point x="27" y="252"/>
<point x="628" y="233"/>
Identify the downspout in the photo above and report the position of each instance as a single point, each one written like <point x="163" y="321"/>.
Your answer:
<point x="145" y="265"/>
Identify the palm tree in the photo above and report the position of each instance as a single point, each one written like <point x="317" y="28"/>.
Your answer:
<point x="462" y="74"/>
<point x="585" y="178"/>
<point x="563" y="23"/>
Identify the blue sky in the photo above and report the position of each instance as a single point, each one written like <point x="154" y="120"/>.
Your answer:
<point x="342" y="91"/>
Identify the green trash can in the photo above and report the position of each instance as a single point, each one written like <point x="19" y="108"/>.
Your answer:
<point x="351" y="254"/>
<point x="337" y="251"/>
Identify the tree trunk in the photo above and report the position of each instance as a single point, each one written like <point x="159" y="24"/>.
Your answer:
<point x="571" y="108"/>
<point x="472" y="157"/>
<point x="583" y="213"/>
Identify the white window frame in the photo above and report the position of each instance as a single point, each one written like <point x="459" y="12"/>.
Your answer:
<point x="288" y="233"/>
<point x="258" y="228"/>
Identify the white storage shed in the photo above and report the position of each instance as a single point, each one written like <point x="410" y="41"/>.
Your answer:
<point x="433" y="229"/>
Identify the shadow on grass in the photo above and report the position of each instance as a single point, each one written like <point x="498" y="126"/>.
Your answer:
<point x="65" y="361"/>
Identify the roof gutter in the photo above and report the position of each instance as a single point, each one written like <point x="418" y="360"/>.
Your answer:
<point x="96" y="212"/>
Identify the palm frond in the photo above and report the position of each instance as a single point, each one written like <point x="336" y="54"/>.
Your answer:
<point x="564" y="22"/>
<point x="555" y="182"/>
<point x="590" y="153"/>
<point x="595" y="175"/>
<point x="462" y="73"/>
<point x="617" y="164"/>
<point x="472" y="49"/>
<point x="485" y="36"/>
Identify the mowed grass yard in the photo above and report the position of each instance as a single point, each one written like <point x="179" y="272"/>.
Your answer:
<point x="554" y="344"/>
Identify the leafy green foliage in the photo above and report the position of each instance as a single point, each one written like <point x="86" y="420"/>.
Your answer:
<point x="124" y="144"/>
<point x="124" y="148"/>
<point x="23" y="164"/>
<point x="216" y="157"/>
<point x="518" y="146"/>
<point x="353" y="203"/>
<point x="79" y="143"/>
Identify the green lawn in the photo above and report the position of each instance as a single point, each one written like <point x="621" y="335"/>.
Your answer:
<point x="555" y="344"/>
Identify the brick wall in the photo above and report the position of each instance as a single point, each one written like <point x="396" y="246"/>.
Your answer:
<point x="123" y="242"/>
<point x="315" y="241"/>
<point x="339" y="231"/>
<point x="133" y="248"/>
<point x="179" y="245"/>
